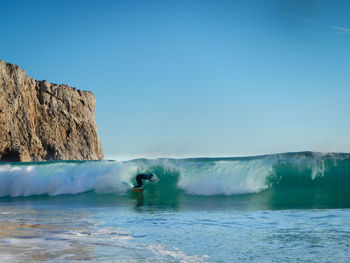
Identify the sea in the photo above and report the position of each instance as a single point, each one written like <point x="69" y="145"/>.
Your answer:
<point x="289" y="207"/>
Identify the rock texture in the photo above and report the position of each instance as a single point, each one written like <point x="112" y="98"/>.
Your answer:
<point x="44" y="121"/>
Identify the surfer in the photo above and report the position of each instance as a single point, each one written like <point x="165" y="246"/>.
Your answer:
<point x="139" y="178"/>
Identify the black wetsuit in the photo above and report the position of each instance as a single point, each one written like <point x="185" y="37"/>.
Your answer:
<point x="139" y="179"/>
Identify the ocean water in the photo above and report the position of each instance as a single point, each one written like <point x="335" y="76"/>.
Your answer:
<point x="291" y="207"/>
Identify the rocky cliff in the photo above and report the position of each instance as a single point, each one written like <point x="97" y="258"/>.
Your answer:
<point x="45" y="121"/>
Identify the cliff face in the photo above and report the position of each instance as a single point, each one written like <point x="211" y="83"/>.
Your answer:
<point x="44" y="121"/>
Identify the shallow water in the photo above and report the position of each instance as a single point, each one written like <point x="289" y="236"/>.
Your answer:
<point x="56" y="229"/>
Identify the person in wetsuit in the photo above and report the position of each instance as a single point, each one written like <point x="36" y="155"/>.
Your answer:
<point x="139" y="178"/>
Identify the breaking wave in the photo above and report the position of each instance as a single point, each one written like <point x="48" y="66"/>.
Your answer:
<point x="305" y="177"/>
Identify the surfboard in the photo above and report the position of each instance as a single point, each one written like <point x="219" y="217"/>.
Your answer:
<point x="137" y="190"/>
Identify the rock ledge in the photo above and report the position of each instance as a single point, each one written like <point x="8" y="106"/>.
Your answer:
<point x="42" y="121"/>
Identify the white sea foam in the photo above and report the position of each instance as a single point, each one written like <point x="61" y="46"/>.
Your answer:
<point x="64" y="178"/>
<point x="176" y="254"/>
<point x="225" y="177"/>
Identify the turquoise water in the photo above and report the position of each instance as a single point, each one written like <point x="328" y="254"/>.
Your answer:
<point x="291" y="207"/>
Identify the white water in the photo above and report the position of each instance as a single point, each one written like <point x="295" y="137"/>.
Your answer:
<point x="222" y="177"/>
<point x="63" y="178"/>
<point x="225" y="177"/>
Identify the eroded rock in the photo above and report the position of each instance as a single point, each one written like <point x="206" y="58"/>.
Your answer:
<point x="41" y="121"/>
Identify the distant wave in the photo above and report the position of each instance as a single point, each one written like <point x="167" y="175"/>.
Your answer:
<point x="287" y="176"/>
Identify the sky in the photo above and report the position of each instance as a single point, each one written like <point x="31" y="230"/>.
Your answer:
<point x="194" y="78"/>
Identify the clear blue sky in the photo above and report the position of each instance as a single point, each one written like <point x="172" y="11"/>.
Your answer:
<point x="195" y="78"/>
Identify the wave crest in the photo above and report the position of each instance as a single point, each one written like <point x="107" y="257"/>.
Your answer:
<point x="328" y="174"/>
